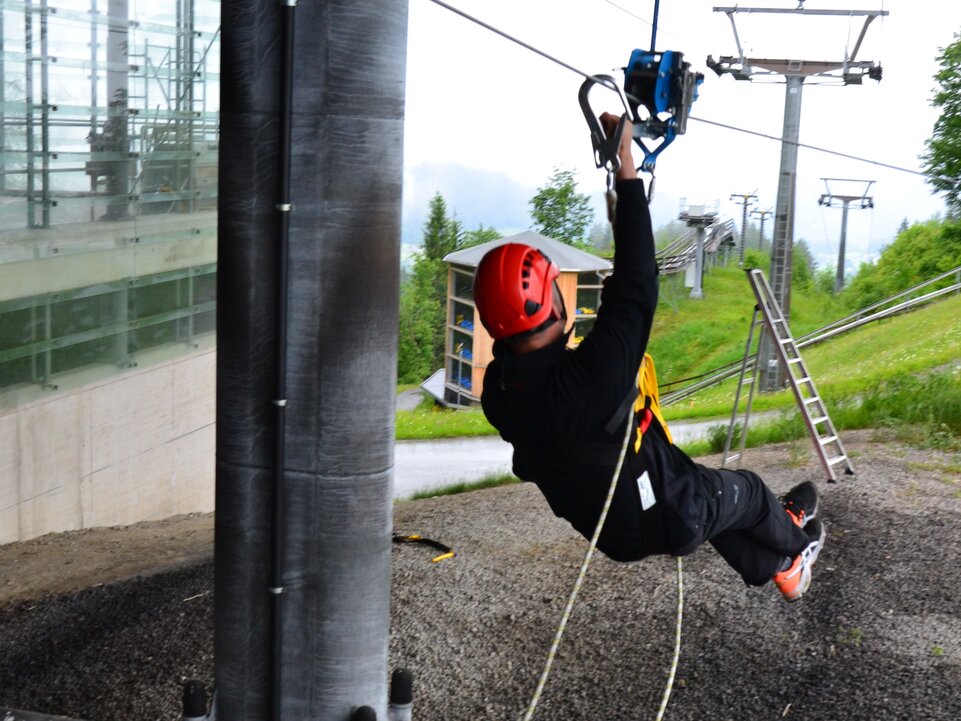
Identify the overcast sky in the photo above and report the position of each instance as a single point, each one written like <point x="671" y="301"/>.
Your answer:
<point x="487" y="121"/>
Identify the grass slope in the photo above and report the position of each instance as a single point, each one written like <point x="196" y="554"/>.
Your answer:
<point x="694" y="336"/>
<point x="855" y="361"/>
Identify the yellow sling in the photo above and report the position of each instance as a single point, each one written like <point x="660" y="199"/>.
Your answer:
<point x="648" y="398"/>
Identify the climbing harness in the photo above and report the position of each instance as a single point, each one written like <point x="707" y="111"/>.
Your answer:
<point x="644" y="405"/>
<point x="446" y="551"/>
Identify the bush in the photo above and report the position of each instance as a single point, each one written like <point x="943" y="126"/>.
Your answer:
<point x="717" y="437"/>
<point x="753" y="258"/>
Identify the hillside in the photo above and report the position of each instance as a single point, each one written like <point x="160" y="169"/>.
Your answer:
<point x="925" y="339"/>
<point x="695" y="336"/>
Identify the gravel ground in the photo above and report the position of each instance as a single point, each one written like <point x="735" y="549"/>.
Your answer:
<point x="877" y="637"/>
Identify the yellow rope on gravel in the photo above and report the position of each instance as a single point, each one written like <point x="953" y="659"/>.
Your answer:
<point x="535" y="699"/>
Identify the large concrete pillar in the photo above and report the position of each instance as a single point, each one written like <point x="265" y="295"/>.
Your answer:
<point x="338" y="367"/>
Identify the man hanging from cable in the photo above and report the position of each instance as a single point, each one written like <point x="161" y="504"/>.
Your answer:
<point x="564" y="411"/>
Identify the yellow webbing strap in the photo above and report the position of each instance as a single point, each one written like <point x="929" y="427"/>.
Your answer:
<point x="648" y="398"/>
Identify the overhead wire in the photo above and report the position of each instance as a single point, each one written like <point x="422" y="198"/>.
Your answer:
<point x="814" y="147"/>
<point x="577" y="71"/>
<point x="508" y="36"/>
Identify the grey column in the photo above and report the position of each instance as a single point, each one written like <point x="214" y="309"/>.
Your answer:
<point x="117" y="130"/>
<point x="698" y="290"/>
<point x="782" y="245"/>
<point x="839" y="275"/>
<point x="342" y="309"/>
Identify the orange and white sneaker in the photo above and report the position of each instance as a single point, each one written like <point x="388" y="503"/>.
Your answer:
<point x="801" y="503"/>
<point x="794" y="581"/>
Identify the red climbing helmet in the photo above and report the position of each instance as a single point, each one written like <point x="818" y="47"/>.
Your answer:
<point x="513" y="289"/>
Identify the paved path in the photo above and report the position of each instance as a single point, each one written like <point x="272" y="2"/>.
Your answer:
<point x="425" y="465"/>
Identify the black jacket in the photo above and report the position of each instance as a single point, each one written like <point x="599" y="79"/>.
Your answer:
<point x="553" y="405"/>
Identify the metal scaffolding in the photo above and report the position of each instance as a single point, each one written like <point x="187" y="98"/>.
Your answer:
<point x="146" y="141"/>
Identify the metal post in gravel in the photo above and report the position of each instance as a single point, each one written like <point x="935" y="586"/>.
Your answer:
<point x="333" y="428"/>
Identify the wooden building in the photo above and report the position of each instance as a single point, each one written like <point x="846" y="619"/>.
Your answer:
<point x="468" y="347"/>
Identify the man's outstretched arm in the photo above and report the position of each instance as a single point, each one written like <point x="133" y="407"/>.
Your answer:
<point x="606" y="361"/>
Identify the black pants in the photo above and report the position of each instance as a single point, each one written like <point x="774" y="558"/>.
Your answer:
<point x="746" y="523"/>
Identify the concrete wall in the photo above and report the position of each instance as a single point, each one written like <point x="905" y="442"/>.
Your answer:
<point x="135" y="447"/>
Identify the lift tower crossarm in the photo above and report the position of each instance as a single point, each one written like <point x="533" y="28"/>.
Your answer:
<point x="795" y="72"/>
<point x="829" y="199"/>
<point x="801" y="11"/>
<point x="797" y="67"/>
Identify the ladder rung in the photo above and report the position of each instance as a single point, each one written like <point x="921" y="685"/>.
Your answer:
<point x="812" y="399"/>
<point x="785" y="341"/>
<point x="836" y="459"/>
<point x="819" y="419"/>
<point x="805" y="379"/>
<point x="749" y="379"/>
<point x="732" y="458"/>
<point x="826" y="441"/>
<point x="792" y="361"/>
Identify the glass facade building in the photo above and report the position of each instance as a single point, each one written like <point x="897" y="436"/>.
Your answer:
<point x="108" y="261"/>
<point x="108" y="187"/>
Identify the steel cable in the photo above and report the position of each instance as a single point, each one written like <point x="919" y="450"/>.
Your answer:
<point x="575" y="70"/>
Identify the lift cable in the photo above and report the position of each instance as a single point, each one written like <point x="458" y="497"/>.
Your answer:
<point x="735" y="128"/>
<point x="819" y="149"/>
<point x="507" y="36"/>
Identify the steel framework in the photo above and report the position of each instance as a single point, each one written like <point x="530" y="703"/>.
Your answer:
<point x="850" y="70"/>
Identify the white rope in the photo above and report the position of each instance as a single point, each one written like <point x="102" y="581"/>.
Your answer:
<point x="562" y="626"/>
<point x="565" y="617"/>
<point x="580" y="576"/>
<point x="677" y="640"/>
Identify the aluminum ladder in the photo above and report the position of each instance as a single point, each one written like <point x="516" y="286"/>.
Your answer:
<point x="827" y="442"/>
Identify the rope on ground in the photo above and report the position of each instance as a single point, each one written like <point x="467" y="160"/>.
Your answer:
<point x="580" y="576"/>
<point x="552" y="653"/>
<point x="677" y="640"/>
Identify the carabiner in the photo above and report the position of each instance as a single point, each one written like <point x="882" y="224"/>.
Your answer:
<point x="605" y="148"/>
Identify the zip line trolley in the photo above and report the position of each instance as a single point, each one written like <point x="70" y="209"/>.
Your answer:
<point x="659" y="89"/>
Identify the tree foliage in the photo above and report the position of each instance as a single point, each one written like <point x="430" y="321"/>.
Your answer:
<point x="802" y="265"/>
<point x="560" y="212"/>
<point x="483" y="234"/>
<point x="667" y="234"/>
<point x="919" y="253"/>
<point x="415" y="337"/>
<point x="601" y="238"/>
<point x="942" y="157"/>
<point x="423" y="299"/>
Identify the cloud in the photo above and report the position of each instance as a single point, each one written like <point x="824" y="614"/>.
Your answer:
<point x="475" y="196"/>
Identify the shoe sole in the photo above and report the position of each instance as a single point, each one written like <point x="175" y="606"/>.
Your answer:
<point x="807" y="573"/>
<point x="807" y="516"/>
